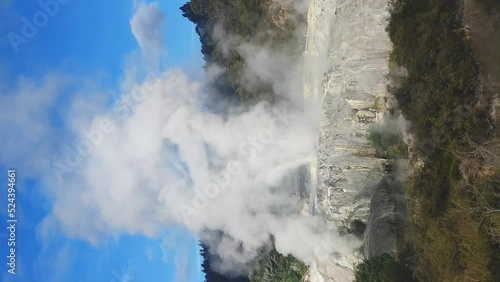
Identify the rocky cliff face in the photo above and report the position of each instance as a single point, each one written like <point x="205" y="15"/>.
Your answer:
<point x="354" y="91"/>
<point x="346" y="63"/>
<point x="386" y="223"/>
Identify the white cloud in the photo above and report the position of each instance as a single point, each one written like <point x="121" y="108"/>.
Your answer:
<point x="54" y="263"/>
<point x="147" y="25"/>
<point x="125" y="275"/>
<point x="26" y="122"/>
<point x="177" y="249"/>
<point x="183" y="265"/>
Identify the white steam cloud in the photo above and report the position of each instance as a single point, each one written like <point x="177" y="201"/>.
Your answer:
<point x="148" y="24"/>
<point x="161" y="157"/>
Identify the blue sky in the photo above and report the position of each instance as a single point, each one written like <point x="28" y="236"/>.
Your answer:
<point x="90" y="50"/>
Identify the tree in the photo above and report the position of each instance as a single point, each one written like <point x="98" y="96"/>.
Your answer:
<point x="210" y="274"/>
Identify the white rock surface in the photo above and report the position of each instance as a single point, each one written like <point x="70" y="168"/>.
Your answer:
<point x="346" y="67"/>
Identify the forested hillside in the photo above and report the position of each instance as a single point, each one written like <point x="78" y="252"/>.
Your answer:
<point x="223" y="25"/>
<point x="453" y="195"/>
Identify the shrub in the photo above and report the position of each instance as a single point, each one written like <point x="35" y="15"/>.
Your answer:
<point x="383" y="268"/>
<point x="274" y="267"/>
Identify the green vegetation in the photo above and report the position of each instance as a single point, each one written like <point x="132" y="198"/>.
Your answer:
<point x="210" y="274"/>
<point x="438" y="95"/>
<point x="458" y="244"/>
<point x="454" y="198"/>
<point x="271" y="266"/>
<point x="274" y="267"/>
<point x="223" y="25"/>
<point x="388" y="142"/>
<point x="383" y="268"/>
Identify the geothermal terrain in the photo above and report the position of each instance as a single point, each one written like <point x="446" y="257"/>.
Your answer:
<point x="349" y="39"/>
